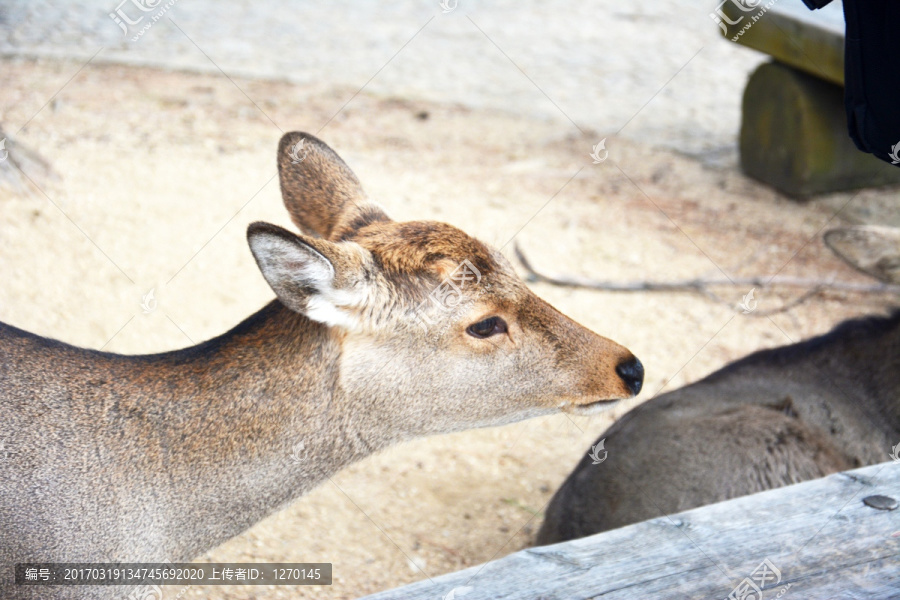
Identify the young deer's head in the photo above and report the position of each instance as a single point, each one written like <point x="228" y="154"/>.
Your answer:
<point x="434" y="326"/>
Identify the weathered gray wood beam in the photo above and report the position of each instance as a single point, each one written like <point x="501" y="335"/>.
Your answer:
<point x="820" y="535"/>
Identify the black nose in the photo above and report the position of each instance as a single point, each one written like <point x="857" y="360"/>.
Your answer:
<point x="632" y="373"/>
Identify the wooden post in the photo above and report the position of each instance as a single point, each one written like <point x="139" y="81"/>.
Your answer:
<point x="794" y="136"/>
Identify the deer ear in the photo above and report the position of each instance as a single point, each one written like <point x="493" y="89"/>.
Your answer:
<point x="301" y="274"/>
<point x="321" y="193"/>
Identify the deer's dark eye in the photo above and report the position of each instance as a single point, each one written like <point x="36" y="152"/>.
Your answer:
<point x="487" y="328"/>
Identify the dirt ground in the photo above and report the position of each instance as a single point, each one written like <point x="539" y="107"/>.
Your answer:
<point x="159" y="174"/>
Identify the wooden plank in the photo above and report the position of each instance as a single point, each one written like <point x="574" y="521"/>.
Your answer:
<point x="812" y="41"/>
<point x="819" y="534"/>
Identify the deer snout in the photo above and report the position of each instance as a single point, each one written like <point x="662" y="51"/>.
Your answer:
<point x="632" y="373"/>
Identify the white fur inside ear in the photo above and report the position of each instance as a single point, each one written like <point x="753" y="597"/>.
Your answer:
<point x="330" y="307"/>
<point x="290" y="267"/>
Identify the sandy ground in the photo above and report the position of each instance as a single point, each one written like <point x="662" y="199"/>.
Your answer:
<point x="656" y="71"/>
<point x="160" y="173"/>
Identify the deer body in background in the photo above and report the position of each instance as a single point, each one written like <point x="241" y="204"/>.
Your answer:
<point x="774" y="418"/>
<point x="114" y="458"/>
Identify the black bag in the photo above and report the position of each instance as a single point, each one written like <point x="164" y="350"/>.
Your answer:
<point x="871" y="75"/>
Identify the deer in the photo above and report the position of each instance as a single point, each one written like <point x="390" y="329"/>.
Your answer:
<point x="161" y="457"/>
<point x="773" y="418"/>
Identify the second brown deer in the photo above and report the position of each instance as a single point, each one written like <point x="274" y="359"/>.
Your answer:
<point x="774" y="418"/>
<point x="112" y="458"/>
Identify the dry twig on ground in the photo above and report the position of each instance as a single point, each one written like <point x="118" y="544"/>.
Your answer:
<point x="702" y="285"/>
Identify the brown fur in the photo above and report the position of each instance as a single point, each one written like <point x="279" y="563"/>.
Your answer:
<point x="162" y="457"/>
<point x="419" y="247"/>
<point x="322" y="195"/>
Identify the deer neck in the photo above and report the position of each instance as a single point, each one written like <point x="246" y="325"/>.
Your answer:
<point x="258" y="418"/>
